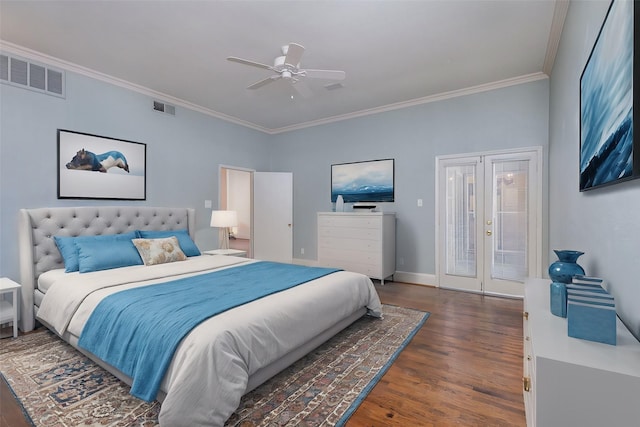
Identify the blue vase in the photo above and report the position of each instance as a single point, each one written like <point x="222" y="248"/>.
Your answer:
<point x="566" y="267"/>
<point x="558" y="299"/>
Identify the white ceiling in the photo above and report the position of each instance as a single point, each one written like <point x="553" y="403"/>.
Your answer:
<point x="394" y="53"/>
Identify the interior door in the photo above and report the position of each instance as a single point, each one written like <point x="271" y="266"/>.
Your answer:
<point x="488" y="222"/>
<point x="273" y="216"/>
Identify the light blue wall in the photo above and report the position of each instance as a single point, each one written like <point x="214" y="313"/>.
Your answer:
<point x="603" y="223"/>
<point x="511" y="117"/>
<point x="183" y="152"/>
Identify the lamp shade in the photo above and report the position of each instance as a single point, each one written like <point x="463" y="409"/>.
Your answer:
<point x="224" y="218"/>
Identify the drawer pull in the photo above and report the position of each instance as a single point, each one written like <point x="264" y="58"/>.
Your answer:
<point x="525" y="314"/>
<point x="526" y="383"/>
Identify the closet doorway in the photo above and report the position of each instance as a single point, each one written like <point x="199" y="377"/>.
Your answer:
<point x="489" y="229"/>
<point x="235" y="195"/>
<point x="264" y="202"/>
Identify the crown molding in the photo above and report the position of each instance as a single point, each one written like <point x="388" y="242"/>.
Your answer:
<point x="419" y="101"/>
<point x="557" y="24"/>
<point x="78" y="69"/>
<point x="69" y="66"/>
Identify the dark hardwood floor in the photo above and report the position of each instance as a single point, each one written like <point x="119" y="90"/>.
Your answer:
<point x="463" y="368"/>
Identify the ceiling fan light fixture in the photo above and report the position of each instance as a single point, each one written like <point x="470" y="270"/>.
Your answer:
<point x="333" y="86"/>
<point x="288" y="67"/>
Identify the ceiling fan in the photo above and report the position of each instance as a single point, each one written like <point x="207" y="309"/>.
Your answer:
<point x="287" y="67"/>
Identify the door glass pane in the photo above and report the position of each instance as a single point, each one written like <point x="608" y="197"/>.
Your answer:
<point x="510" y="217"/>
<point x="460" y="228"/>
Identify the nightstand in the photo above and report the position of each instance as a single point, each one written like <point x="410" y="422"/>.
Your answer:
<point x="9" y="310"/>
<point x="231" y="252"/>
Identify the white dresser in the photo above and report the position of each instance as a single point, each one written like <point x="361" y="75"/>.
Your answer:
<point x="360" y="242"/>
<point x="573" y="382"/>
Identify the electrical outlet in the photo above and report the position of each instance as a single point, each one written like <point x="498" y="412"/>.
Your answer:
<point x="301" y="251"/>
<point x="419" y="203"/>
<point x="401" y="261"/>
<point x="207" y="204"/>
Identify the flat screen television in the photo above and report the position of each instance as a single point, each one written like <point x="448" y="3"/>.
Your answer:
<point x="368" y="181"/>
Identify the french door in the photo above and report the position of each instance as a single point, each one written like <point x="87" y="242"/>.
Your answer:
<point x="489" y="231"/>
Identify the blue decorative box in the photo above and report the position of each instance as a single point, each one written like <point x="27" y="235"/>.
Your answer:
<point x="558" y="299"/>
<point x="591" y="316"/>
<point x="586" y="282"/>
<point x="581" y="278"/>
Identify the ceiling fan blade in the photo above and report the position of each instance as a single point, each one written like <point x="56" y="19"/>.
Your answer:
<point x="247" y="62"/>
<point x="302" y="89"/>
<point x="263" y="82"/>
<point x="294" y="54"/>
<point x="325" y="74"/>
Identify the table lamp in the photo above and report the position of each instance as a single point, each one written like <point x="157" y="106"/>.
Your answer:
<point x="223" y="220"/>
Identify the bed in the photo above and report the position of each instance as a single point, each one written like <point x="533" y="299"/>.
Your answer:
<point x="224" y="356"/>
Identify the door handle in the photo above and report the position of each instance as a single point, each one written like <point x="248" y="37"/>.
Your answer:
<point x="489" y="233"/>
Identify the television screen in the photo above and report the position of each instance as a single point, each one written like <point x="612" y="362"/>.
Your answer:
<point x="370" y="181"/>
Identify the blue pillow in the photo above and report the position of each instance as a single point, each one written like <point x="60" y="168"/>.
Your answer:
<point x="99" y="255"/>
<point x="69" y="251"/>
<point x="184" y="240"/>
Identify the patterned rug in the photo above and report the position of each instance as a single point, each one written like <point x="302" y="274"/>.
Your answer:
<point x="58" y="386"/>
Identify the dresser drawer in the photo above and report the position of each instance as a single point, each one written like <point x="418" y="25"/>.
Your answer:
<point x="336" y="254"/>
<point x="350" y="221"/>
<point x="350" y="233"/>
<point x="528" y="369"/>
<point x="370" y="270"/>
<point x="342" y="243"/>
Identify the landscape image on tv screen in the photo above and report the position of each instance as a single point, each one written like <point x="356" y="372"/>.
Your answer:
<point x="370" y="181"/>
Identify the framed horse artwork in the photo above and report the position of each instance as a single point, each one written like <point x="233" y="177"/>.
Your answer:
<point x="98" y="167"/>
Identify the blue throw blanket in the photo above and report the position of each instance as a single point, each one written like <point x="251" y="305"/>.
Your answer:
<point x="137" y="330"/>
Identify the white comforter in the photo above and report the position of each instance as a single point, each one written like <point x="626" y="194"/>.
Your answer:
<point x="210" y="369"/>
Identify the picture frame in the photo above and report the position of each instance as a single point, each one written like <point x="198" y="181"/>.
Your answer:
<point x="609" y="153"/>
<point x="99" y="167"/>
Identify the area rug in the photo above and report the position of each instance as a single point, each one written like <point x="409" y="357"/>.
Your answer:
<point x="58" y="386"/>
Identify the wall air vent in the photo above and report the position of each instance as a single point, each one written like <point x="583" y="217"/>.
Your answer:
<point x="164" y="108"/>
<point x="30" y="75"/>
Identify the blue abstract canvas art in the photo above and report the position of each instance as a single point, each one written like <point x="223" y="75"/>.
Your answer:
<point x="606" y="102"/>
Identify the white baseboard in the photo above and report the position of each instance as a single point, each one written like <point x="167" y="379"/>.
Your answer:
<point x="416" y="278"/>
<point x="399" y="276"/>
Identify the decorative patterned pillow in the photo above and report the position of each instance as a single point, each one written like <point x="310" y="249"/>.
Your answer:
<point x="186" y="244"/>
<point x="159" y="251"/>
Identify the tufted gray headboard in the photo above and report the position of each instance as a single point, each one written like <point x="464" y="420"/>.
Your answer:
<point x="39" y="253"/>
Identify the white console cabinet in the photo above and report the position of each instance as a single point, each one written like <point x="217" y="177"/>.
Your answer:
<point x="572" y="382"/>
<point x="360" y="242"/>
